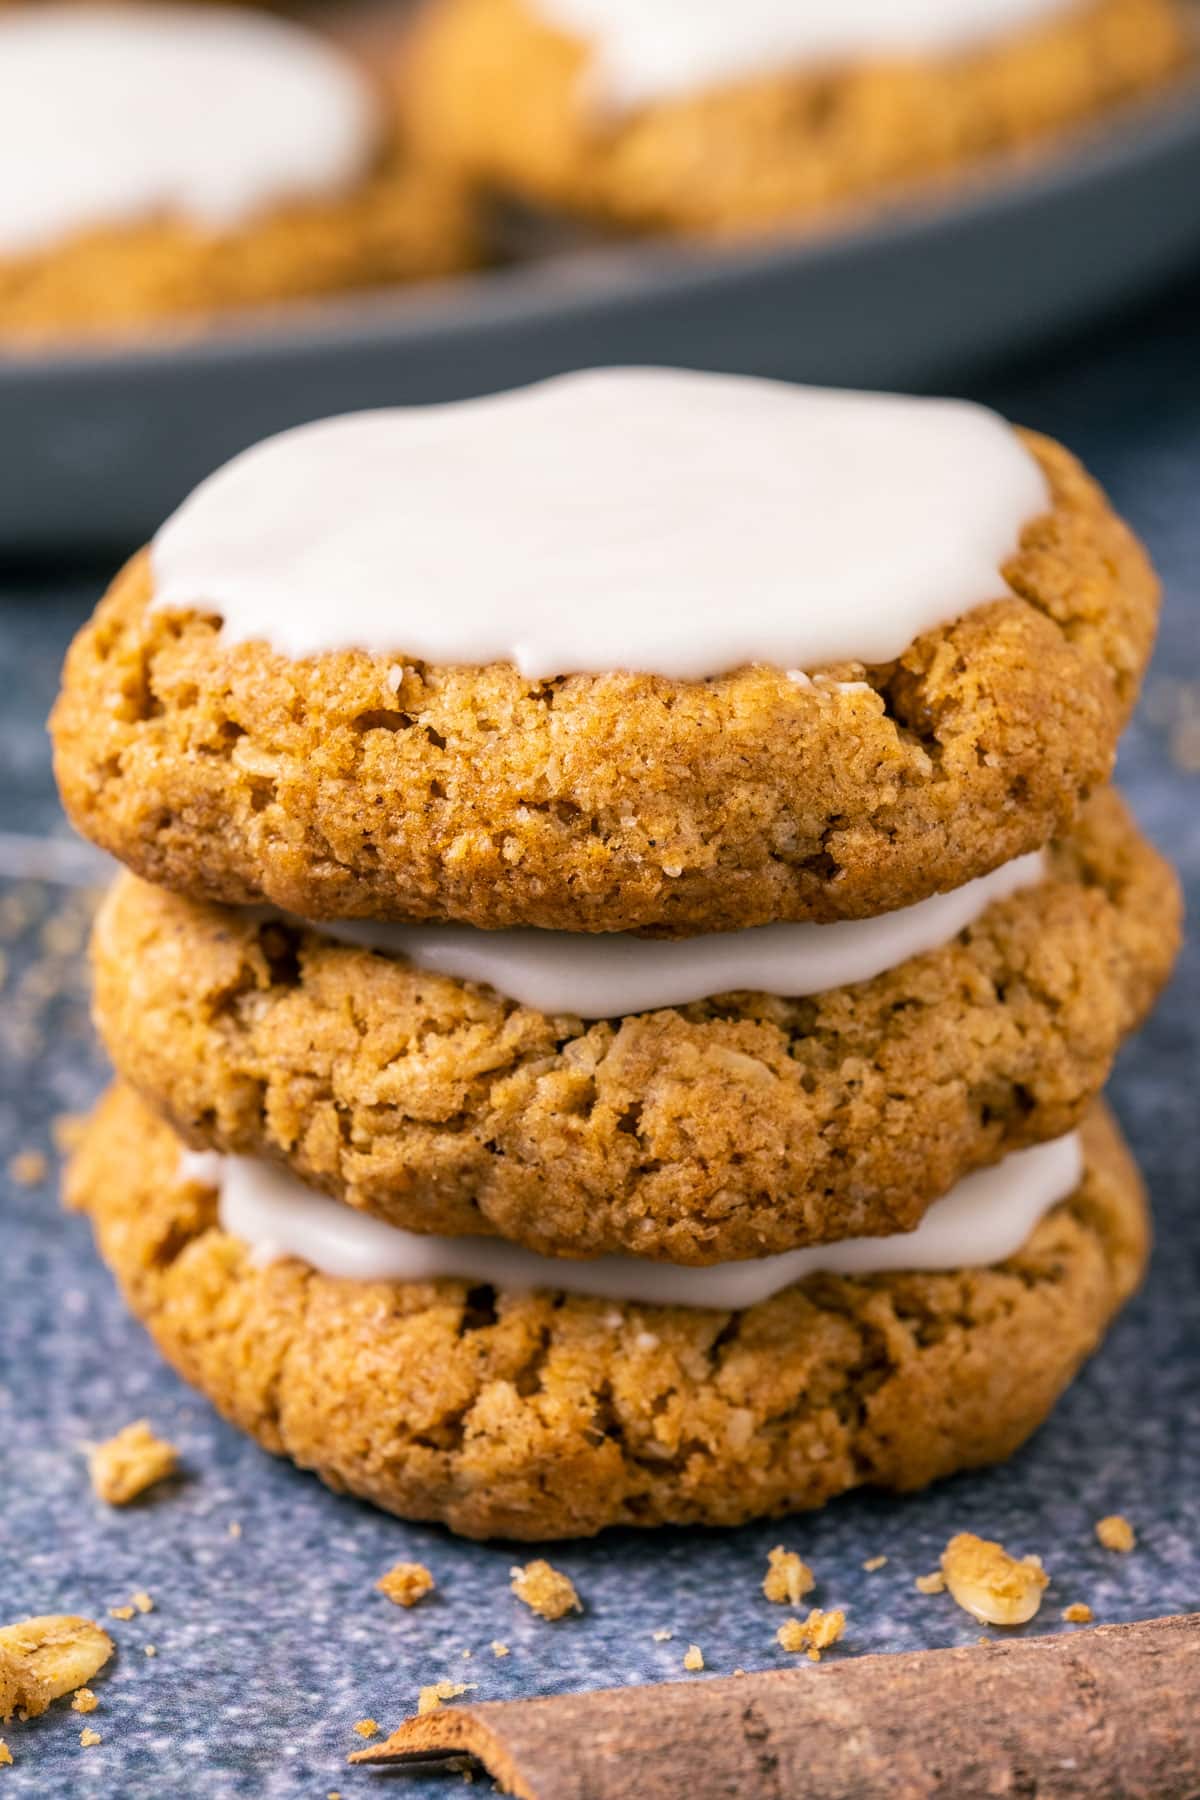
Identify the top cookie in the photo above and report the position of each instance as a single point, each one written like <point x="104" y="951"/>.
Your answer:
<point x="865" y="649"/>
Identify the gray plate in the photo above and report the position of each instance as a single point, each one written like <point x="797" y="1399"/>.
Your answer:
<point x="100" y="445"/>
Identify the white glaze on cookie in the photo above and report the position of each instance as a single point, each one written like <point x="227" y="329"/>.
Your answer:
<point x="129" y="114"/>
<point x="983" y="1220"/>
<point x="645" y="50"/>
<point x="673" y="523"/>
<point x="607" y="975"/>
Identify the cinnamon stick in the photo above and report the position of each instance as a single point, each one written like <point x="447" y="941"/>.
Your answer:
<point x="1113" y="1711"/>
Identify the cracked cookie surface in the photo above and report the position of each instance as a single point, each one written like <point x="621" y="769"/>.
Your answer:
<point x="538" y="1415"/>
<point x="509" y="99"/>
<point x="729" y="1128"/>
<point x="356" y="785"/>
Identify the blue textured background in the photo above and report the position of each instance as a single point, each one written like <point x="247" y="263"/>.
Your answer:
<point x="270" y="1645"/>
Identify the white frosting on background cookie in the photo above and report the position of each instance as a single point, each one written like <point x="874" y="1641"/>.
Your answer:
<point x="119" y="115"/>
<point x="646" y="49"/>
<point x="641" y="519"/>
<point x="983" y="1220"/>
<point x="606" y="975"/>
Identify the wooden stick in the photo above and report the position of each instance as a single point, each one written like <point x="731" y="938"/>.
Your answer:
<point x="1114" y="1711"/>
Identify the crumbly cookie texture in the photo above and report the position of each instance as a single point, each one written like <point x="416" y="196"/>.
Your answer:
<point x="406" y="1583"/>
<point x="781" y="149"/>
<point x="43" y="1658"/>
<point x="545" y="1590"/>
<point x="430" y="1698"/>
<point x="615" y="802"/>
<point x="534" y="1415"/>
<point x="993" y="1586"/>
<point x="128" y="1464"/>
<point x="1116" y="1533"/>
<point x="788" y="1578"/>
<point x="817" y="1632"/>
<point x="406" y="222"/>
<point x="737" y="1127"/>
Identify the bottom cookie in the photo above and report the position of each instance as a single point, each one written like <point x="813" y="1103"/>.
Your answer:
<point x="540" y="1415"/>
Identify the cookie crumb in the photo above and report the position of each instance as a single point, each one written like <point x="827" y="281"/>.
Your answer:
<point x="693" y="1657"/>
<point x="931" y="1584"/>
<point x="85" y="1701"/>
<point x="5" y="1755"/>
<point x="1078" y="1613"/>
<point x="430" y="1698"/>
<point x="365" y="1728"/>
<point x="994" y="1587"/>
<point x="544" y="1590"/>
<point x="406" y="1583"/>
<point x="129" y="1463"/>
<point x="787" y="1579"/>
<point x="814" y="1634"/>
<point x="142" y="1601"/>
<point x="662" y="1637"/>
<point x="150" y="1650"/>
<point x="44" y="1658"/>
<point x="874" y="1562"/>
<point x="88" y="1737"/>
<point x="234" y="1528"/>
<point x="1116" y="1533"/>
<point x="28" y="1168"/>
<point x="120" y="1612"/>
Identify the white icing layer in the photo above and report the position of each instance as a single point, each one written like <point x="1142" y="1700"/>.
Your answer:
<point x="117" y="114"/>
<point x="640" y="519"/>
<point x="647" y="49"/>
<point x="986" y="1218"/>
<point x="607" y="975"/>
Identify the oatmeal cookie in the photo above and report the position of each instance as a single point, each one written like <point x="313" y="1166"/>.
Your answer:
<point x="734" y="1127"/>
<point x="510" y="100"/>
<point x="106" y="239"/>
<point x="538" y="1415"/>
<point x="356" y="785"/>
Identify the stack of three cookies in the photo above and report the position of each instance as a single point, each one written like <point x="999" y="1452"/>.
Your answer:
<point x="627" y="931"/>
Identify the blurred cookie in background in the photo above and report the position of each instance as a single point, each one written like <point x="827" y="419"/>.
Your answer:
<point x="712" y="117"/>
<point x="167" y="161"/>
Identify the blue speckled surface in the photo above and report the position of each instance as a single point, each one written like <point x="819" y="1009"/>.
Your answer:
<point x="271" y="1644"/>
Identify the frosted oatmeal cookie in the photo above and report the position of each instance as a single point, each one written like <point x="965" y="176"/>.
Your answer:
<point x="631" y="650"/>
<point x="540" y="1413"/>
<point x="120" y="203"/>
<point x="706" y="1125"/>
<point x="651" y="115"/>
